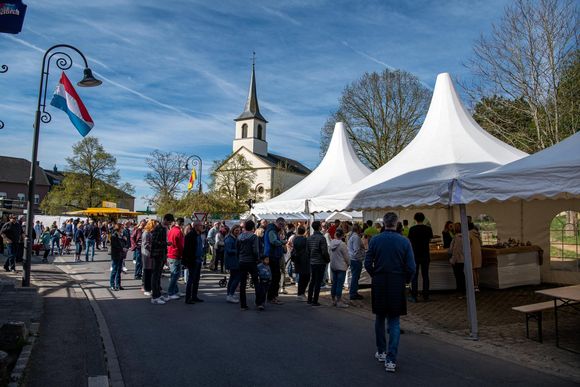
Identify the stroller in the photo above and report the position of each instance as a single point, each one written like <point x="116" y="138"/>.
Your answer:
<point x="65" y="244"/>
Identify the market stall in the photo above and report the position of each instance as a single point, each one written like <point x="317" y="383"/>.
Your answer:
<point x="506" y="267"/>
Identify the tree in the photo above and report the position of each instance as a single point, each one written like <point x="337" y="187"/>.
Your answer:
<point x="167" y="171"/>
<point x="382" y="113"/>
<point x="91" y="177"/>
<point x="523" y="62"/>
<point x="232" y="178"/>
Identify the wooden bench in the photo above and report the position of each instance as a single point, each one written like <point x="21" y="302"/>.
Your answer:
<point x="534" y="312"/>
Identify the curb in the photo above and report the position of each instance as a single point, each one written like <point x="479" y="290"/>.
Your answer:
<point x="19" y="370"/>
<point x="115" y="376"/>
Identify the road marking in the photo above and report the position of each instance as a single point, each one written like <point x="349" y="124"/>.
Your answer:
<point x="99" y="381"/>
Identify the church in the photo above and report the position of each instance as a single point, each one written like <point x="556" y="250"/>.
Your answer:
<point x="274" y="174"/>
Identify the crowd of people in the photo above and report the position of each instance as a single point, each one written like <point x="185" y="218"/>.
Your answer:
<point x="314" y="255"/>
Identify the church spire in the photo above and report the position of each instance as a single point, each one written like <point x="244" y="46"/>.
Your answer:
<point x="252" y="109"/>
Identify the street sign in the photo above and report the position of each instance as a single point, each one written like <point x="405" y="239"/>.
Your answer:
<point x="12" y="16"/>
<point x="200" y="216"/>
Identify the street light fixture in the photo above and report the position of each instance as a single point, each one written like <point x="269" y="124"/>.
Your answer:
<point x="3" y="69"/>
<point x="64" y="62"/>
<point x="196" y="163"/>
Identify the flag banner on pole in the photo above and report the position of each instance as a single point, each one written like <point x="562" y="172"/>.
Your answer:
<point x="66" y="99"/>
<point x="191" y="180"/>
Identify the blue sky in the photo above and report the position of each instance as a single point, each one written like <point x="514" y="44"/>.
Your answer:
<point x="176" y="74"/>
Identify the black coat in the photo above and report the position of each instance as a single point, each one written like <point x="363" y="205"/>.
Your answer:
<point x="390" y="263"/>
<point x="117" y="246"/>
<point x="189" y="248"/>
<point x="300" y="255"/>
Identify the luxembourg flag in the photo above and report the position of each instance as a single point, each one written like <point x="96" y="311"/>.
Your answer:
<point x="66" y="99"/>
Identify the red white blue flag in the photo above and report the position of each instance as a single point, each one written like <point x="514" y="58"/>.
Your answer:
<point x="66" y="99"/>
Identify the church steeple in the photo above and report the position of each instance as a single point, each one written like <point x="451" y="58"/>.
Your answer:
<point x="251" y="124"/>
<point x="252" y="109"/>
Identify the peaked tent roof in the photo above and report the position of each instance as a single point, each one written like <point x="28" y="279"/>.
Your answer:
<point x="449" y="144"/>
<point x="552" y="173"/>
<point x="339" y="168"/>
<point x="252" y="109"/>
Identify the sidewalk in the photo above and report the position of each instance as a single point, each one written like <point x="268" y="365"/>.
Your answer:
<point x="68" y="349"/>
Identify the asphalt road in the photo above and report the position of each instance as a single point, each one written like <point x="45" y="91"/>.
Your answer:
<point x="217" y="344"/>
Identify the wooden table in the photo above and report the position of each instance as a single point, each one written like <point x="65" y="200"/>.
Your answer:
<point x="564" y="296"/>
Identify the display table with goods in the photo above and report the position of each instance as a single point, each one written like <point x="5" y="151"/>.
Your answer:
<point x="511" y="264"/>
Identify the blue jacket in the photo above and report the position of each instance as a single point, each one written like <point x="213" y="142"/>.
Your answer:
<point x="272" y="243"/>
<point x="231" y="259"/>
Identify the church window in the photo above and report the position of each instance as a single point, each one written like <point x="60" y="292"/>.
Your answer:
<point x="245" y="131"/>
<point x="260" y="132"/>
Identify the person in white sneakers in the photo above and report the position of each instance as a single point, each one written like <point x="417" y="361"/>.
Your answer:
<point x="391" y="265"/>
<point x="158" y="255"/>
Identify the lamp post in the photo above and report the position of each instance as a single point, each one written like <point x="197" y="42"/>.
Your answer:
<point x="3" y="69"/>
<point x="196" y="162"/>
<point x="64" y="62"/>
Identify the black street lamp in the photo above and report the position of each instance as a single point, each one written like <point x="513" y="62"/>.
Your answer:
<point x="196" y="163"/>
<point x="64" y="62"/>
<point x="3" y="69"/>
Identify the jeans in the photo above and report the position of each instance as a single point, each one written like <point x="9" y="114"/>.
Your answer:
<point x="458" y="271"/>
<point x="424" y="266"/>
<point x="117" y="268"/>
<point x="355" y="270"/>
<point x="147" y="279"/>
<point x="156" y="277"/>
<point x="138" y="264"/>
<point x="303" y="280"/>
<point x="233" y="282"/>
<point x="394" y="335"/>
<point x="275" y="282"/>
<point x="252" y="269"/>
<point x="338" y="277"/>
<point x="175" y="267"/>
<point x="55" y="242"/>
<point x="317" y="271"/>
<point x="192" y="285"/>
<point x="10" y="252"/>
<point x="78" y="248"/>
<point x="90" y="244"/>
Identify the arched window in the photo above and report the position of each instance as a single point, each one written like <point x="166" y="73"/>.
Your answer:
<point x="565" y="241"/>
<point x="487" y="229"/>
<point x="260" y="132"/>
<point x="244" y="131"/>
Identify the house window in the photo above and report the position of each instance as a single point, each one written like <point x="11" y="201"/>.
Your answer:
<point x="244" y="131"/>
<point x="260" y="132"/>
<point x="21" y="197"/>
<point x="36" y="199"/>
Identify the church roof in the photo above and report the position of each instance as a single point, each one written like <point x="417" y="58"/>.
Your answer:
<point x="292" y="165"/>
<point x="252" y="109"/>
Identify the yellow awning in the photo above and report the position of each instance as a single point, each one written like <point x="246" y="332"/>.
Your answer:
<point x="104" y="211"/>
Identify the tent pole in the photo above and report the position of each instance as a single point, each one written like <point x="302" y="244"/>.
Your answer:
<point x="468" y="269"/>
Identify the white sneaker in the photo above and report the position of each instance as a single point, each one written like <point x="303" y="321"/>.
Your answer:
<point x="301" y="298"/>
<point x="341" y="305"/>
<point x="165" y="298"/>
<point x="174" y="297"/>
<point x="146" y="293"/>
<point x="390" y="366"/>
<point x="236" y="299"/>
<point x="134" y="261"/>
<point x="157" y="301"/>
<point x="124" y="269"/>
<point x="380" y="356"/>
<point x="230" y="299"/>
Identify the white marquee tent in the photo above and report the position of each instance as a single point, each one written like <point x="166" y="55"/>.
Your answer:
<point x="339" y="168"/>
<point x="450" y="144"/>
<point x="553" y="173"/>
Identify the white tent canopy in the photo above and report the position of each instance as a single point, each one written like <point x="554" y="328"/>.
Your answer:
<point x="339" y="168"/>
<point x="450" y="144"/>
<point x="553" y="173"/>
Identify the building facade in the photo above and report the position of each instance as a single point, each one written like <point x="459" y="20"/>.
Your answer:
<point x="14" y="174"/>
<point x="274" y="174"/>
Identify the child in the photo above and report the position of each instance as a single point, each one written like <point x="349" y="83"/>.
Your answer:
<point x="264" y="277"/>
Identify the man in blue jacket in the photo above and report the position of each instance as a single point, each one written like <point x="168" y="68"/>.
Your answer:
<point x="274" y="250"/>
<point x="391" y="265"/>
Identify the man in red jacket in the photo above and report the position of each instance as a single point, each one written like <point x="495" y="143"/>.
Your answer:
<point x="175" y="243"/>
